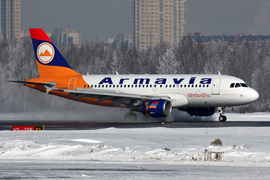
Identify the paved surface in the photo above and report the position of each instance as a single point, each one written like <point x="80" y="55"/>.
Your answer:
<point x="98" y="170"/>
<point x="75" y="125"/>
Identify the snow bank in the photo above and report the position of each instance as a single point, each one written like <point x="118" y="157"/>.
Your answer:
<point x="241" y="146"/>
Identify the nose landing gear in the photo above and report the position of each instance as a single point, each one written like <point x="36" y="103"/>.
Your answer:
<point x="221" y="111"/>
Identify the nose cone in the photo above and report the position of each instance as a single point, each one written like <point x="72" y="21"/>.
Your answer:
<point x="253" y="95"/>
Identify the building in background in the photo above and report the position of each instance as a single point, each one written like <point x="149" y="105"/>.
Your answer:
<point x="231" y="39"/>
<point x="158" y="21"/>
<point x="10" y="19"/>
<point x="65" y="36"/>
<point x="117" y="40"/>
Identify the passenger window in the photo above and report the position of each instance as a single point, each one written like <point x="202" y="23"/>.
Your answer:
<point x="237" y="85"/>
<point x="232" y="85"/>
<point x="84" y="86"/>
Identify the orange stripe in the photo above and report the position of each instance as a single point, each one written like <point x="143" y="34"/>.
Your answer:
<point x="62" y="82"/>
<point x="50" y="71"/>
<point x="83" y="99"/>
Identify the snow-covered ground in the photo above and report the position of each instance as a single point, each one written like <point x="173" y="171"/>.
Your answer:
<point x="246" y="149"/>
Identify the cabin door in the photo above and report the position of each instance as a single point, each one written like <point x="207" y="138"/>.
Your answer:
<point x="215" y="87"/>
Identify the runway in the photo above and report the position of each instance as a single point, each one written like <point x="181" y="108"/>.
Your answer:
<point x="77" y="125"/>
<point x="99" y="170"/>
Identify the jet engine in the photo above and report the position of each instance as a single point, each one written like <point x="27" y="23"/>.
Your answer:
<point x="199" y="111"/>
<point x="156" y="108"/>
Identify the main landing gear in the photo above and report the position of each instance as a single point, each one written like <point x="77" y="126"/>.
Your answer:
<point x="221" y="111"/>
<point x="130" y="116"/>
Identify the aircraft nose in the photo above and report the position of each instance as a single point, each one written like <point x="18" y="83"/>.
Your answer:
<point x="253" y="95"/>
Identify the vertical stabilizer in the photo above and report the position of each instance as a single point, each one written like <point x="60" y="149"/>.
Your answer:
<point x="49" y="60"/>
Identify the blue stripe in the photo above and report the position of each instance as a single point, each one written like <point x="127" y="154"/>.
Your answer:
<point x="58" y="59"/>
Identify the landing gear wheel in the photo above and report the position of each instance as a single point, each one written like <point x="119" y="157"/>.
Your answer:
<point x="222" y="118"/>
<point x="131" y="117"/>
<point x="221" y="111"/>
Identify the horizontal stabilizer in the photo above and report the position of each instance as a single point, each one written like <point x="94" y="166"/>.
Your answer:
<point x="34" y="83"/>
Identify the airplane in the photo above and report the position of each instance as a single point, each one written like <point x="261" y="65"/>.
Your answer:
<point x="153" y="95"/>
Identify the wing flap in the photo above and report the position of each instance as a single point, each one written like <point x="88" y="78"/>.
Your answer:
<point x="84" y="92"/>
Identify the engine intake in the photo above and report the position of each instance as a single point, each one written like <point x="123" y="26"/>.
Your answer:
<point x="156" y="108"/>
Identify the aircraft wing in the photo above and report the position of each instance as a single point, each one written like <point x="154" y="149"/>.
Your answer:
<point x="117" y="97"/>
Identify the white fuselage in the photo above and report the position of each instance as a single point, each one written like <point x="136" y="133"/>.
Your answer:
<point x="184" y="90"/>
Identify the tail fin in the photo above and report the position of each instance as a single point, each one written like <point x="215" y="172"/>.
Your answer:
<point x="49" y="60"/>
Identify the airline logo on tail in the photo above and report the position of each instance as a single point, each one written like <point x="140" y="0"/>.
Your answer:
<point x="45" y="53"/>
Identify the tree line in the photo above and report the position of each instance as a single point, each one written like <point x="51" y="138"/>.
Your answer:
<point x="249" y="61"/>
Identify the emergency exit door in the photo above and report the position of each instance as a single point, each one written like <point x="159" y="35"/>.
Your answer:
<point x="72" y="83"/>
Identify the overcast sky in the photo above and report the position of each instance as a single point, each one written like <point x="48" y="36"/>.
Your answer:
<point x="106" y="18"/>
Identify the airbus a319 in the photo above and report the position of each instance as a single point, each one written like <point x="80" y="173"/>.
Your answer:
<point x="152" y="95"/>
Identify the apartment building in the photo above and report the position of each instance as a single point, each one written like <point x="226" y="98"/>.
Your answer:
<point x="10" y="19"/>
<point x="65" y="36"/>
<point x="158" y="21"/>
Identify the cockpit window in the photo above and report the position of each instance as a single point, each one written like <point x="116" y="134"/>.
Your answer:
<point x="237" y="85"/>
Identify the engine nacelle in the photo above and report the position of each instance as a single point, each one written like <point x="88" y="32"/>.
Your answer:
<point x="156" y="108"/>
<point x="199" y="111"/>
